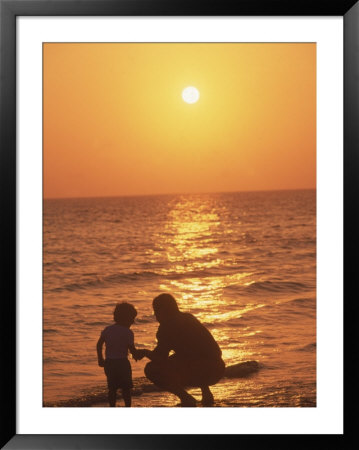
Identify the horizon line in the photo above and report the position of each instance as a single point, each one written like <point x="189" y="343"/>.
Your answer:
<point x="177" y="193"/>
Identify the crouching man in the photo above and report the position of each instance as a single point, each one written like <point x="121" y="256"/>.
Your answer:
<point x="196" y="361"/>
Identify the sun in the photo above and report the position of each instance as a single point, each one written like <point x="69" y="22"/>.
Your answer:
<point x="190" y="94"/>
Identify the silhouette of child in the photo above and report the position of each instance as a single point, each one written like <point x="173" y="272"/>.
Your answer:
<point x="118" y="340"/>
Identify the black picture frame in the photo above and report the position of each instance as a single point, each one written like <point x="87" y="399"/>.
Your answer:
<point x="9" y="10"/>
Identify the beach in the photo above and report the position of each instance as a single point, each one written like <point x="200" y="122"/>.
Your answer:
<point x="243" y="263"/>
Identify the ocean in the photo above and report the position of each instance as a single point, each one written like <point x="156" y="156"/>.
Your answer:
<point x="243" y="263"/>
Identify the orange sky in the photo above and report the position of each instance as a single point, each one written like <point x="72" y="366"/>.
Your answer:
<point x="115" y="122"/>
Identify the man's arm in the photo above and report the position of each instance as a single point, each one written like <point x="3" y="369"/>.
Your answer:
<point x="158" y="354"/>
<point x="162" y="349"/>
<point x="100" y="342"/>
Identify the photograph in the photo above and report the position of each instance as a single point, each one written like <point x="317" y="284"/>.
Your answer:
<point x="179" y="224"/>
<point x="180" y="216"/>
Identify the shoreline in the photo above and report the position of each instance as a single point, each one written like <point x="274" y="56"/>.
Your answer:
<point x="244" y="385"/>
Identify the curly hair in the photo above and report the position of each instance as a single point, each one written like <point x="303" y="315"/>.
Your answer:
<point x="124" y="313"/>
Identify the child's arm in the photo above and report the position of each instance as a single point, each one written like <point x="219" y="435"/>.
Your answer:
<point x="100" y="342"/>
<point x="139" y="353"/>
<point x="135" y="353"/>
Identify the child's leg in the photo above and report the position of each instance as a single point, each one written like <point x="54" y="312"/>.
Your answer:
<point x="112" y="397"/>
<point x="126" y="394"/>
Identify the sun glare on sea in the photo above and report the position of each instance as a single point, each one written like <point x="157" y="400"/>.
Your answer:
<point x="190" y="94"/>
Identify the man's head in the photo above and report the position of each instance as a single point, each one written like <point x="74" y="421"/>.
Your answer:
<point x="165" y="307"/>
<point x="124" y="314"/>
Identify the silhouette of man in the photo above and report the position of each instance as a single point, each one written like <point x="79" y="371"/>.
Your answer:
<point x="197" y="357"/>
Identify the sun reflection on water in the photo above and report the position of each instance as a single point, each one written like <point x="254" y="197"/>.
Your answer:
<point x="192" y="242"/>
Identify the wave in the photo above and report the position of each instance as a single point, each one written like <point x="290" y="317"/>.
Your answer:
<point x="131" y="277"/>
<point x="99" y="281"/>
<point x="242" y="369"/>
<point x="303" y="301"/>
<point x="258" y="287"/>
<point x="96" y="323"/>
<point x="143" y="385"/>
<point x="308" y="348"/>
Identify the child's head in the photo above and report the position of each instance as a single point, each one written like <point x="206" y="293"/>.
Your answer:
<point x="124" y="314"/>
